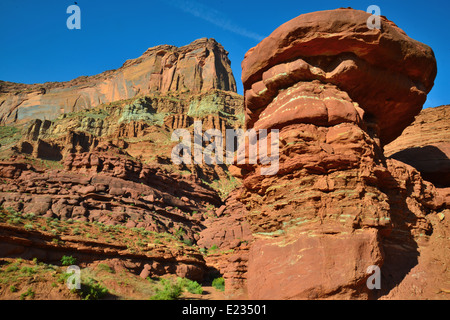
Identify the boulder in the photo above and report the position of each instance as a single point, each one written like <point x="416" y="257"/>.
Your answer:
<point x="383" y="71"/>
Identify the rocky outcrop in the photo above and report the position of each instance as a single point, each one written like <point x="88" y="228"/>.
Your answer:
<point x="108" y="191"/>
<point x="138" y="126"/>
<point x="337" y="92"/>
<point x="113" y="190"/>
<point x="425" y="145"/>
<point x="226" y="240"/>
<point x="337" y="48"/>
<point x="156" y="260"/>
<point x="198" y="67"/>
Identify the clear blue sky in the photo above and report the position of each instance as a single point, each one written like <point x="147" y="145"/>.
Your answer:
<point x="37" y="46"/>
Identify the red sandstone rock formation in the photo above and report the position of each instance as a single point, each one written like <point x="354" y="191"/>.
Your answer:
<point x="338" y="92"/>
<point x="386" y="73"/>
<point x="198" y="67"/>
<point x="229" y="232"/>
<point x="425" y="145"/>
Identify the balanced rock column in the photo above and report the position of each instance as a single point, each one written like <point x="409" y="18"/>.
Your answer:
<point x="337" y="92"/>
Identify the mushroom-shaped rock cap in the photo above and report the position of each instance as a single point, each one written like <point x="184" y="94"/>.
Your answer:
<point x="383" y="70"/>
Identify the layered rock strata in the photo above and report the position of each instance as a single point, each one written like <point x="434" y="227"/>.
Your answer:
<point x="425" y="145"/>
<point x="198" y="67"/>
<point x="337" y="92"/>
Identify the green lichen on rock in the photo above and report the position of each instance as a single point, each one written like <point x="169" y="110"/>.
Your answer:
<point x="202" y="106"/>
<point x="142" y="110"/>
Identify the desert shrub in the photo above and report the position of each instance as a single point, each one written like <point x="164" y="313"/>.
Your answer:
<point x="62" y="278"/>
<point x="219" y="284"/>
<point x="92" y="290"/>
<point x="171" y="290"/>
<point x="12" y="268"/>
<point x="29" y="216"/>
<point x="9" y="135"/>
<point x="28" y="271"/>
<point x="68" y="260"/>
<point x="180" y="233"/>
<point x="213" y="249"/>
<point x="16" y="220"/>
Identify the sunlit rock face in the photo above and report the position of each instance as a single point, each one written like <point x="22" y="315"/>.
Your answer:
<point x="198" y="67"/>
<point x="337" y="92"/>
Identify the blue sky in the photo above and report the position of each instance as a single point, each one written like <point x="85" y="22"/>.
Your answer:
<point x="37" y="46"/>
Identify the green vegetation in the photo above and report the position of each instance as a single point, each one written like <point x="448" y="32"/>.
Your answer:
<point x="141" y="110"/>
<point x="180" y="233"/>
<point x="224" y="186"/>
<point x="138" y="240"/>
<point x="205" y="105"/>
<point x="29" y="293"/>
<point x="91" y="290"/>
<point x="20" y="275"/>
<point x="23" y="278"/>
<point x="173" y="289"/>
<point x="12" y="268"/>
<point x="28" y="271"/>
<point x="104" y="267"/>
<point x="43" y="163"/>
<point x="219" y="284"/>
<point x="9" y="135"/>
<point x="94" y="113"/>
<point x="192" y="286"/>
<point x="213" y="249"/>
<point x="68" y="260"/>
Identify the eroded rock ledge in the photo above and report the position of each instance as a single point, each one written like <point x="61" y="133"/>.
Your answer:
<point x="338" y="92"/>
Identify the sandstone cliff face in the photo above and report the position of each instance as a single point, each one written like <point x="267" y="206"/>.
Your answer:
<point x="336" y="205"/>
<point x="101" y="168"/>
<point x="385" y="72"/>
<point x="337" y="92"/>
<point x="99" y="188"/>
<point x="425" y="145"/>
<point x="198" y="67"/>
<point x="141" y="127"/>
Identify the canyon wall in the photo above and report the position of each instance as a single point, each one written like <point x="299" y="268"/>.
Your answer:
<point x="198" y="67"/>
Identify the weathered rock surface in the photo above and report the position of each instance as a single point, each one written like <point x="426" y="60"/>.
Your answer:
<point x="227" y="239"/>
<point x="198" y="67"/>
<point x="132" y="125"/>
<point x="384" y="71"/>
<point x="113" y="190"/>
<point x="157" y="260"/>
<point x="337" y="92"/>
<point x="425" y="145"/>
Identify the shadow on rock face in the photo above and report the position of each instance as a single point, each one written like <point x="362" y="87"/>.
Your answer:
<point x="398" y="262"/>
<point x="400" y="247"/>
<point x="430" y="161"/>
